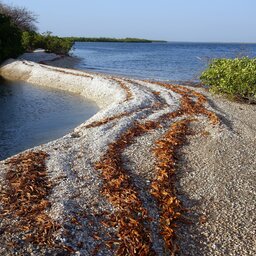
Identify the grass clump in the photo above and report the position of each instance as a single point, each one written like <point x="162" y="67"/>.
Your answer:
<point x="235" y="78"/>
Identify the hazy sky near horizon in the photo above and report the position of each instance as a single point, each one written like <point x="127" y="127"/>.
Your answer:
<point x="171" y="20"/>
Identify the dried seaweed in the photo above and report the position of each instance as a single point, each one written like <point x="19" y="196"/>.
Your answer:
<point x="157" y="106"/>
<point x="162" y="188"/>
<point x="192" y="102"/>
<point x="131" y="218"/>
<point x="110" y="119"/>
<point x="103" y="121"/>
<point x="125" y="88"/>
<point x="25" y="198"/>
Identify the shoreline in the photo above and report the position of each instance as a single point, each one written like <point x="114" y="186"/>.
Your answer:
<point x="206" y="169"/>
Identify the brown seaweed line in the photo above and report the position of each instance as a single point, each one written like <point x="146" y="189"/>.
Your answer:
<point x="25" y="198"/>
<point x="114" y="174"/>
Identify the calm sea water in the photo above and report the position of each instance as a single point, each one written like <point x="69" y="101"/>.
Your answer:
<point x="161" y="61"/>
<point x="31" y="115"/>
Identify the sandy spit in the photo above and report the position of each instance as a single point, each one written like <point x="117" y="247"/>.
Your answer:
<point x="216" y="171"/>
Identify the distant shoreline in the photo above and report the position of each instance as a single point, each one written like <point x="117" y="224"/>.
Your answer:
<point x="142" y="40"/>
<point x="113" y="40"/>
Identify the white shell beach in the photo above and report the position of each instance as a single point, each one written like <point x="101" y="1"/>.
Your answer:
<point x="214" y="173"/>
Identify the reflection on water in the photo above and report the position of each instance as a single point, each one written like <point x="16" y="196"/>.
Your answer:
<point x="30" y="115"/>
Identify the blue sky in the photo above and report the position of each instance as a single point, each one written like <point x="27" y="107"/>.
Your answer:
<point x="172" y="20"/>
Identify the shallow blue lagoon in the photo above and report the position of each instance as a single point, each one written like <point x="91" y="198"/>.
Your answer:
<point x="32" y="115"/>
<point x="161" y="61"/>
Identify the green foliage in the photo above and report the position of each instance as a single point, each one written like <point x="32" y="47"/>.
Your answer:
<point x="28" y="40"/>
<point x="58" y="45"/>
<point x="10" y="39"/>
<point x="235" y="78"/>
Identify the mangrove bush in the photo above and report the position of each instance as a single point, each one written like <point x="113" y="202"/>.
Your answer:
<point x="58" y="45"/>
<point x="235" y="78"/>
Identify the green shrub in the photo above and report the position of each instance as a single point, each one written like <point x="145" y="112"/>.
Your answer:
<point x="29" y="40"/>
<point x="58" y="45"/>
<point x="235" y="78"/>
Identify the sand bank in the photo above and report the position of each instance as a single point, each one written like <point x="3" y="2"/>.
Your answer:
<point x="114" y="172"/>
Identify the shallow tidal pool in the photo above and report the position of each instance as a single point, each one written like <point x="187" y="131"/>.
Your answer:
<point x="32" y="115"/>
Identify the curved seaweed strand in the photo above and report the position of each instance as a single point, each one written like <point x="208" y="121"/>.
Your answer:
<point x="131" y="217"/>
<point x="127" y="90"/>
<point x="121" y="192"/>
<point x="159" y="105"/>
<point x="162" y="187"/>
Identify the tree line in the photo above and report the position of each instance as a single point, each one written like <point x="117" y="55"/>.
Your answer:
<point x="18" y="33"/>
<point x="112" y="40"/>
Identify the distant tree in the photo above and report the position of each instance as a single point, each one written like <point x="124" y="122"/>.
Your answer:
<point x="10" y="39"/>
<point x="24" y="19"/>
<point x="29" y="40"/>
<point x="58" y="45"/>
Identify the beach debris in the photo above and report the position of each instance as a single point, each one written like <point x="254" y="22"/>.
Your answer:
<point x="162" y="187"/>
<point x="132" y="218"/>
<point x="126" y="230"/>
<point x="25" y="198"/>
<point x="127" y="90"/>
